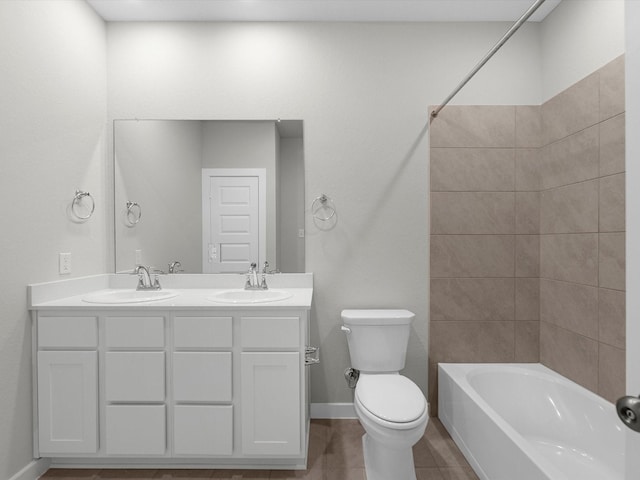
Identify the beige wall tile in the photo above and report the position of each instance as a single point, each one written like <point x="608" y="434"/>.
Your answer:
<point x="527" y="255"/>
<point x="528" y="165"/>
<point x="474" y="126"/>
<point x="473" y="342"/>
<point x="472" y="212"/>
<point x="570" y="209"/>
<point x="570" y="257"/>
<point x="611" y="317"/>
<point x="570" y="354"/>
<point x="528" y="126"/>
<point x="472" y="299"/>
<point x="527" y="298"/>
<point x="472" y="169"/>
<point x="612" y="261"/>
<point x="571" y="160"/>
<point x="528" y="212"/>
<point x="527" y="342"/>
<point x="472" y="255"/>
<point x="572" y="110"/>
<point x="612" y="88"/>
<point x="611" y="372"/>
<point x="612" y="138"/>
<point x="570" y="306"/>
<point x="612" y="203"/>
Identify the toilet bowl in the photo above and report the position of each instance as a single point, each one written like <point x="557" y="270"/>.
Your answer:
<point x="393" y="413"/>
<point x="391" y="408"/>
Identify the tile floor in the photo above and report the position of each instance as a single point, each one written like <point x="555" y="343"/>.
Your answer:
<point x="335" y="453"/>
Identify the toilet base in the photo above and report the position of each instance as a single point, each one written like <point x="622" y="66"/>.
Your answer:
<point x="384" y="463"/>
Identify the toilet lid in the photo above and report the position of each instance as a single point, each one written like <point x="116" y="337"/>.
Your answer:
<point x="393" y="398"/>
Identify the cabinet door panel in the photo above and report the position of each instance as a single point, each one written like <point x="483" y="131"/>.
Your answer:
<point x="136" y="430"/>
<point x="270" y="403"/>
<point x="67" y="332"/>
<point x="205" y="430"/>
<point x="134" y="377"/>
<point x="202" y="376"/>
<point x="202" y="332"/>
<point x="270" y="332"/>
<point x="134" y="332"/>
<point x="67" y="402"/>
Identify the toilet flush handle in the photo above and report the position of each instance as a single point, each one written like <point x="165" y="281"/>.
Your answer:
<point x="345" y="329"/>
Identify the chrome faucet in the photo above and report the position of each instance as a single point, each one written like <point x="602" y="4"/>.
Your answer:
<point x="174" y="267"/>
<point x="252" y="278"/>
<point x="144" y="279"/>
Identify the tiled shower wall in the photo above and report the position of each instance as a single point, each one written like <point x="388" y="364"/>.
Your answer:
<point x="484" y="302"/>
<point x="527" y="234"/>
<point x="582" y="225"/>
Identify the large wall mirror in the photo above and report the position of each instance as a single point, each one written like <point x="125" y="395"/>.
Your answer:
<point x="213" y="195"/>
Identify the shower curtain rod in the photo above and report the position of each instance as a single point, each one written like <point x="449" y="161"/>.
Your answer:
<point x="490" y="54"/>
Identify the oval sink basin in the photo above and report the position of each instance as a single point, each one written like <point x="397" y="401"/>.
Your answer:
<point x="129" y="296"/>
<point x="249" y="296"/>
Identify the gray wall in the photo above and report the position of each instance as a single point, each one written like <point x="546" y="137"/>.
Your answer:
<point x="291" y="210"/>
<point x="365" y="137"/>
<point x="52" y="141"/>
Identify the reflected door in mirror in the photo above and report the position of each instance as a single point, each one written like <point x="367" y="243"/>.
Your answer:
<point x="232" y="219"/>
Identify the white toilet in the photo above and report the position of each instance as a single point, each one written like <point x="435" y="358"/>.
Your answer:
<point x="390" y="407"/>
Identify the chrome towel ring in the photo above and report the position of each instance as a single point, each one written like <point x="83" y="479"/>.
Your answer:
<point x="77" y="202"/>
<point x="134" y="213"/>
<point x="324" y="204"/>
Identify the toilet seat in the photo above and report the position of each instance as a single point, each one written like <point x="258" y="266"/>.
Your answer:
<point x="391" y="399"/>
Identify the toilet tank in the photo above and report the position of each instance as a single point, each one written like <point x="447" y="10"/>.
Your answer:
<point x="377" y="338"/>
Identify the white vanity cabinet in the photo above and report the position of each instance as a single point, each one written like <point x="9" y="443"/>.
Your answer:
<point x="220" y="387"/>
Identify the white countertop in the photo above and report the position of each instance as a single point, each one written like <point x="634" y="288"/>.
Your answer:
<point x="194" y="292"/>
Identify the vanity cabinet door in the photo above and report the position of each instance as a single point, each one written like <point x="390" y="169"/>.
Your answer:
<point x="202" y="376"/>
<point x="271" y="403"/>
<point x="136" y="430"/>
<point x="203" y="430"/>
<point x="67" y="402"/>
<point x="134" y="377"/>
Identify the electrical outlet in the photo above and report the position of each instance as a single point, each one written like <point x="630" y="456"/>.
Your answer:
<point x="301" y="233"/>
<point x="64" y="263"/>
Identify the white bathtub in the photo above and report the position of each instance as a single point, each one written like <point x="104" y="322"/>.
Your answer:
<point x="526" y="422"/>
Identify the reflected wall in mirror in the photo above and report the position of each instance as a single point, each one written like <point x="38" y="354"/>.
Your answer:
<point x="213" y="195"/>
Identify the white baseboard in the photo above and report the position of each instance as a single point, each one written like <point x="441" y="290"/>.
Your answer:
<point x="332" y="410"/>
<point x="33" y="470"/>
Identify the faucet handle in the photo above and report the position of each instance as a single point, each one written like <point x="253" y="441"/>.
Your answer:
<point x="265" y="268"/>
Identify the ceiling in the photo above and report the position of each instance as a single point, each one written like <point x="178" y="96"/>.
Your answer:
<point x="318" y="10"/>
